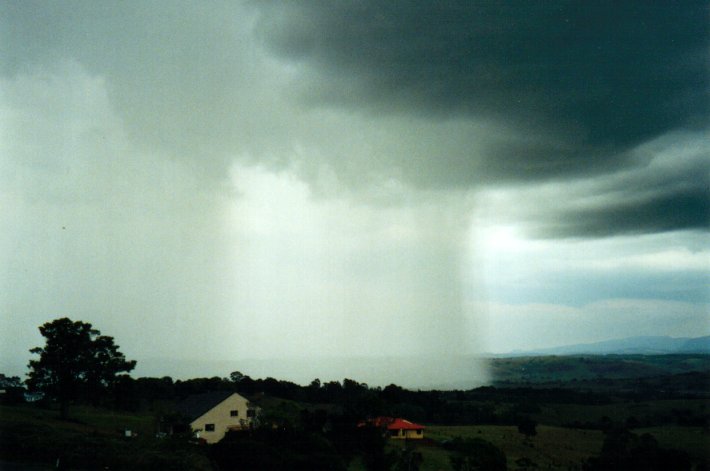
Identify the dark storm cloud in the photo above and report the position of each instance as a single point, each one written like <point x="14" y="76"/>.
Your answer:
<point x="671" y="193"/>
<point x="683" y="209"/>
<point x="592" y="78"/>
<point x="434" y="95"/>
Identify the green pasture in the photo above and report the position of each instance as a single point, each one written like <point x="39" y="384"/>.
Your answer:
<point x="551" y="448"/>
<point x="654" y="412"/>
<point x="83" y="419"/>
<point x="693" y="440"/>
<point x="91" y="439"/>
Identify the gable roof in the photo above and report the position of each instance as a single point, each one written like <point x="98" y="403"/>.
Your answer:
<point x="403" y="424"/>
<point x="196" y="405"/>
<point x="392" y="423"/>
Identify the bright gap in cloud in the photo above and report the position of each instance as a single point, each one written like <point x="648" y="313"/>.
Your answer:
<point x="541" y="293"/>
<point x="336" y="280"/>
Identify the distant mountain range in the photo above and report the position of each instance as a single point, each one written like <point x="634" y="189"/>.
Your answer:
<point x="649" y="345"/>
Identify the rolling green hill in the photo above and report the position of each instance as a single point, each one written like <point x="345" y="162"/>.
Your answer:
<point x="540" y="369"/>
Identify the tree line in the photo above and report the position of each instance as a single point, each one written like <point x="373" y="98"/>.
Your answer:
<point x="315" y="425"/>
<point x="78" y="364"/>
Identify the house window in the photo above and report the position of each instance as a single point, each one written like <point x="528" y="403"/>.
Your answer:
<point x="209" y="427"/>
<point x="234" y="413"/>
<point x="419" y="432"/>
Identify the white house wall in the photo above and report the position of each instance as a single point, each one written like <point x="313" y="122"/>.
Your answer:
<point x="221" y="418"/>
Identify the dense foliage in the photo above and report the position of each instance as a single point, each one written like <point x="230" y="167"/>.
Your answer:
<point x="77" y="362"/>
<point x="13" y="389"/>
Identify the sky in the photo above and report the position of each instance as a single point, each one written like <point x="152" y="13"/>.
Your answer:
<point x="364" y="189"/>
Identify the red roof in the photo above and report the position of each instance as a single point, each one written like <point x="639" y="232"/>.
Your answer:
<point x="402" y="424"/>
<point x="391" y="423"/>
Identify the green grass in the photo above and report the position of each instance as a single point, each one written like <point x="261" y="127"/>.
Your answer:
<point x="620" y="412"/>
<point x="693" y="440"/>
<point x="91" y="439"/>
<point x="115" y="422"/>
<point x="551" y="448"/>
<point x="82" y="419"/>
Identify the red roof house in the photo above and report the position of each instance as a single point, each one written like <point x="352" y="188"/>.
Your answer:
<point x="397" y="428"/>
<point x="402" y="428"/>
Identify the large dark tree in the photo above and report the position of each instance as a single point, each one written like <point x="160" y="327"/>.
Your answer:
<point x="76" y="362"/>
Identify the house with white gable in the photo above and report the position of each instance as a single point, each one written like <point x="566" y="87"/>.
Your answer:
<point x="211" y="415"/>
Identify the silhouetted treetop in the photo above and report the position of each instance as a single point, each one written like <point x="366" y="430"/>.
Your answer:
<point x="76" y="362"/>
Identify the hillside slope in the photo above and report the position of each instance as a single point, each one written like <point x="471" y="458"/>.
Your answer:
<point x="646" y="345"/>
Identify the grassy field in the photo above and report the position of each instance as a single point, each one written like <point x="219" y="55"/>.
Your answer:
<point x="91" y="439"/>
<point x="693" y="440"/>
<point x="650" y="411"/>
<point x="551" y="448"/>
<point x="83" y="419"/>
